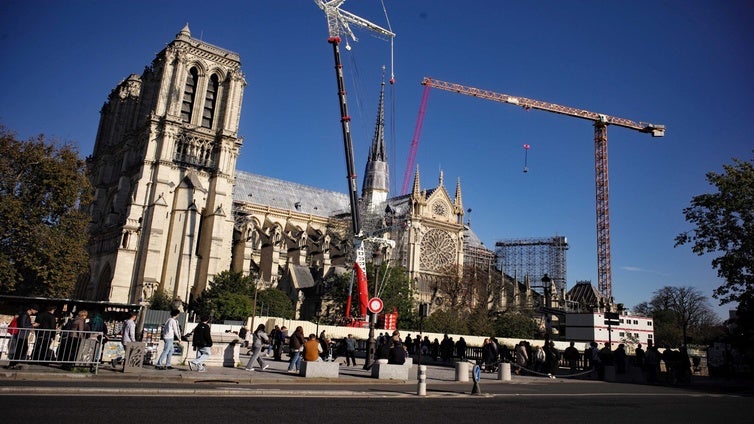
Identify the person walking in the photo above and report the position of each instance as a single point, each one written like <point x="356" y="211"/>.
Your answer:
<point x="350" y="350"/>
<point x="259" y="338"/>
<point x="296" y="345"/>
<point x="202" y="341"/>
<point x="170" y="331"/>
<point x="129" y="329"/>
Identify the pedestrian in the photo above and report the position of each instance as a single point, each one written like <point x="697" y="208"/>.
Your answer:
<point x="312" y="349"/>
<point x="44" y="334"/>
<point x="522" y="358"/>
<point x="571" y="355"/>
<point x="242" y="333"/>
<point x="620" y="359"/>
<point x="70" y="347"/>
<point x="397" y="353"/>
<point x="552" y="358"/>
<point x="652" y="363"/>
<point x="272" y="336"/>
<point x="639" y="356"/>
<point x="350" y="350"/>
<point x="279" y="341"/>
<point x="295" y="346"/>
<point x="129" y="329"/>
<point x="461" y="349"/>
<point x="202" y="342"/>
<point x="259" y="339"/>
<point x="21" y="338"/>
<point x="170" y="331"/>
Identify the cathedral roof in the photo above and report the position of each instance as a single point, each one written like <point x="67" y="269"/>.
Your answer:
<point x="268" y="191"/>
<point x="471" y="239"/>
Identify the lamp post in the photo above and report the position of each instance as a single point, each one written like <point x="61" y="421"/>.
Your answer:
<point x="318" y="314"/>
<point x="546" y="280"/>
<point x="254" y="306"/>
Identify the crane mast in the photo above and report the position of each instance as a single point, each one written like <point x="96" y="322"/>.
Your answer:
<point x="602" y="196"/>
<point x="338" y="22"/>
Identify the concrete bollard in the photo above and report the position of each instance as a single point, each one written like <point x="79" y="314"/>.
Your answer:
<point x="422" y="387"/>
<point x="462" y="371"/>
<point x="504" y="372"/>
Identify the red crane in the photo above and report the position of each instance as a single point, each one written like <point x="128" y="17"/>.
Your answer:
<point x="601" y="121"/>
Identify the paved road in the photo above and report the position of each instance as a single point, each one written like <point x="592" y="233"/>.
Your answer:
<point x="45" y="394"/>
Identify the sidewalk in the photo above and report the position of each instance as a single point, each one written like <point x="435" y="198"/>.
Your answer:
<point x="277" y="372"/>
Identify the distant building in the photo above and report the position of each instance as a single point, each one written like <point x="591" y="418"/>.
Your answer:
<point x="587" y="327"/>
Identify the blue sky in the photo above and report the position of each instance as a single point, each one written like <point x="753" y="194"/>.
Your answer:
<point x="685" y="64"/>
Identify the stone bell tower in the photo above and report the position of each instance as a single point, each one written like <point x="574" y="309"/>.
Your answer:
<point x="163" y="169"/>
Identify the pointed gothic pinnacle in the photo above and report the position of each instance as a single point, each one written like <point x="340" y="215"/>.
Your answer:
<point x="459" y="201"/>
<point x="415" y="190"/>
<point x="185" y="31"/>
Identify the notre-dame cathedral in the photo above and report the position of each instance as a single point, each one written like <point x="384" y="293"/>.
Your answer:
<point x="171" y="210"/>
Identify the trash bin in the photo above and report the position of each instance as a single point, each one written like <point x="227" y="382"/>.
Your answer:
<point x="462" y="371"/>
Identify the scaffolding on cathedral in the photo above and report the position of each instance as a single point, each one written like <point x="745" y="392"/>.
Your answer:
<point x="534" y="257"/>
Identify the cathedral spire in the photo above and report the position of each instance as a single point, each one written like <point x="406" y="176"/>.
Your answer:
<point x="376" y="176"/>
<point x="417" y="187"/>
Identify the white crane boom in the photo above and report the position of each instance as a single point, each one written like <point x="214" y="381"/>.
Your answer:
<point x="338" y="18"/>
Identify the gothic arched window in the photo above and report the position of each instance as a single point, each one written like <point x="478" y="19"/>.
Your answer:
<point x="189" y="93"/>
<point x="209" y="102"/>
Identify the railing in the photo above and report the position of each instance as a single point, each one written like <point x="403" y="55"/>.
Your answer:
<point x="67" y="348"/>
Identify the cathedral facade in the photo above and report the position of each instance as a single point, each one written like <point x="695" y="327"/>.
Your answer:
<point x="171" y="210"/>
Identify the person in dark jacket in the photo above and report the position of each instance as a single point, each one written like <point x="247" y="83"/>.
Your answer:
<point x="202" y="342"/>
<point x="46" y="323"/>
<point x="24" y="325"/>
<point x="295" y="346"/>
<point x="397" y="354"/>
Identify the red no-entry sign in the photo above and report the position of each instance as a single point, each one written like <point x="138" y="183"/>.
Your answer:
<point x="375" y="305"/>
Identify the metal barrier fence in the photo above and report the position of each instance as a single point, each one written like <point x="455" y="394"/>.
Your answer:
<point x="67" y="348"/>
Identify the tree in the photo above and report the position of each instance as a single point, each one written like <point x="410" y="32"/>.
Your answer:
<point x="44" y="192"/>
<point x="446" y="321"/>
<point x="275" y="303"/>
<point x="396" y="291"/>
<point x="678" y="312"/>
<point x="724" y="223"/>
<point x="228" y="297"/>
<point x="516" y="325"/>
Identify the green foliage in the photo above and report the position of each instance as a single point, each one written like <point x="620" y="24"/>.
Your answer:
<point x="160" y="301"/>
<point x="43" y="193"/>
<point x="724" y="223"/>
<point x="273" y="302"/>
<point x="396" y="291"/>
<point x="229" y="297"/>
<point x="516" y="325"/>
<point x="479" y="322"/>
<point x="446" y="321"/>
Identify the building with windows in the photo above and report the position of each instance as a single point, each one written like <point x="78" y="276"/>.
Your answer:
<point x="171" y="210"/>
<point x="631" y="330"/>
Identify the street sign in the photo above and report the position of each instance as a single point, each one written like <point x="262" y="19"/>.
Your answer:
<point x="375" y="305"/>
